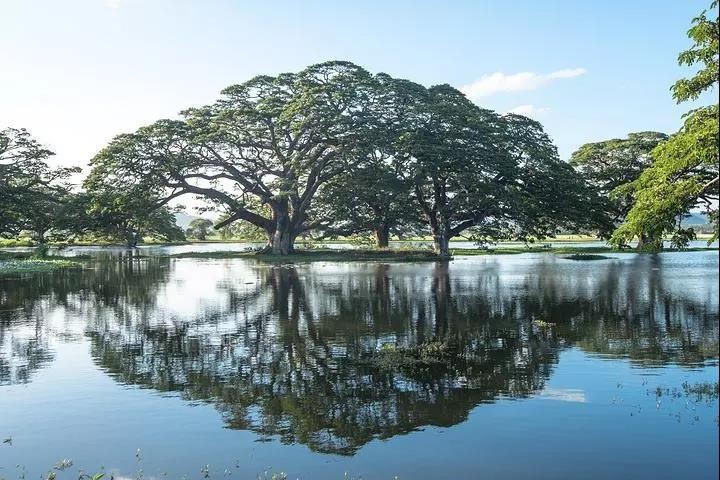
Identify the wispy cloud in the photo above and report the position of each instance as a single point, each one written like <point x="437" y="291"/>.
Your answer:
<point x="499" y="82"/>
<point x="528" y="110"/>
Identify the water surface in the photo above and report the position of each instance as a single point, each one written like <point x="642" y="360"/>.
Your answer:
<point x="558" y="368"/>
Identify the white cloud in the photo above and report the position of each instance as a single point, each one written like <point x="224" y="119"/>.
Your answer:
<point x="499" y="82"/>
<point x="112" y="3"/>
<point x="567" y="73"/>
<point x="528" y="110"/>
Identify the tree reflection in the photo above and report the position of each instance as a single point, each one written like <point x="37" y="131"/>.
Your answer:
<point x="298" y="352"/>
<point x="36" y="309"/>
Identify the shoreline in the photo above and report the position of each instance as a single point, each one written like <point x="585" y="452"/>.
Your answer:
<point x="24" y="262"/>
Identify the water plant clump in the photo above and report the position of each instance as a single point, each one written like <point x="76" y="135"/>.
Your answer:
<point x="34" y="265"/>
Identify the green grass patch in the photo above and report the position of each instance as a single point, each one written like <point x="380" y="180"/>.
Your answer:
<point x="15" y="242"/>
<point x="33" y="265"/>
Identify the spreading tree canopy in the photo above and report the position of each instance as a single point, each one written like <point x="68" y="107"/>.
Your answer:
<point x="259" y="153"/>
<point x="337" y="150"/>
<point x="484" y="175"/>
<point x="199" y="228"/>
<point x="609" y="165"/>
<point x="32" y="193"/>
<point x="684" y="172"/>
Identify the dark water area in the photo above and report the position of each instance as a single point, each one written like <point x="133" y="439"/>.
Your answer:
<point x="507" y="366"/>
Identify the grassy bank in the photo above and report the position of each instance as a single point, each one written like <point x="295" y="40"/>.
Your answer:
<point x="27" y="242"/>
<point x="570" y="251"/>
<point x="13" y="262"/>
<point x="409" y="255"/>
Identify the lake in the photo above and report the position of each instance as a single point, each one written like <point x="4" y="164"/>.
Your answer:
<point x="505" y="366"/>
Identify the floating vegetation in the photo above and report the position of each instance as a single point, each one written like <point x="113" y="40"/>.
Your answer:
<point x="698" y="392"/>
<point x="417" y="357"/>
<point x="585" y="256"/>
<point x="543" y="324"/>
<point x="63" y="464"/>
<point x="35" y="265"/>
<point x="690" y="396"/>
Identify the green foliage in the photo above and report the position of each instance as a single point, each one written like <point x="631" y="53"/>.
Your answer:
<point x="610" y="165"/>
<point x="266" y="144"/>
<point x="684" y="172"/>
<point x="546" y="195"/>
<point x="16" y="242"/>
<point x="373" y="198"/>
<point x="490" y="175"/>
<point x="337" y="151"/>
<point x="704" y="33"/>
<point x="199" y="228"/>
<point x="128" y="217"/>
<point x="32" y="194"/>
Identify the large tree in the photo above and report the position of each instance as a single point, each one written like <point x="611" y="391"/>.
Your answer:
<point x="32" y="193"/>
<point x="609" y="165"/>
<point x="684" y="172"/>
<point x="267" y="145"/>
<point x="129" y="221"/>
<point x="546" y="195"/>
<point x="372" y="198"/>
<point x="199" y="228"/>
<point x="374" y="193"/>
<point x="125" y="212"/>
<point x="477" y="173"/>
<point x="452" y="153"/>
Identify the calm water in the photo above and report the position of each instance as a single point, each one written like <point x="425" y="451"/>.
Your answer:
<point x="252" y="368"/>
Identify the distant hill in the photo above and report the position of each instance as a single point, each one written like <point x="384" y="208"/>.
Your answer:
<point x="183" y="219"/>
<point x="695" y="219"/>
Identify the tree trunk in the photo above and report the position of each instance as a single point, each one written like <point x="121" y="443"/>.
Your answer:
<point x="282" y="242"/>
<point x="281" y="238"/>
<point x="382" y="235"/>
<point x="649" y="242"/>
<point x="441" y="240"/>
<point x="132" y="239"/>
<point x="41" y="248"/>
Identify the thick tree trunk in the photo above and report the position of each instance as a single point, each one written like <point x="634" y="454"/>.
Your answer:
<point x="41" y="248"/>
<point x="441" y="241"/>
<point x="646" y="241"/>
<point x="282" y="242"/>
<point x="281" y="237"/>
<point x="132" y="239"/>
<point x="382" y="235"/>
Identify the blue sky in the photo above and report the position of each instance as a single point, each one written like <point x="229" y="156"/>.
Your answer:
<point x="78" y="72"/>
